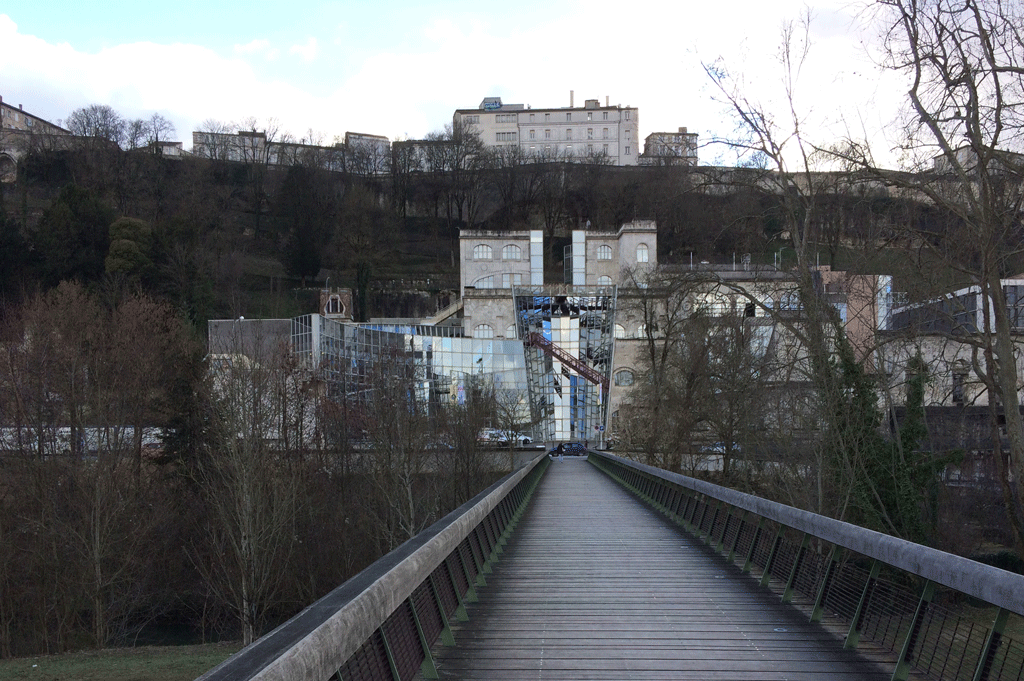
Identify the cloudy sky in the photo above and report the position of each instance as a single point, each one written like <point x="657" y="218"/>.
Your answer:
<point x="401" y="67"/>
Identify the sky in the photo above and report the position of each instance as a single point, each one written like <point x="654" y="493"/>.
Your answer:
<point x="400" y="68"/>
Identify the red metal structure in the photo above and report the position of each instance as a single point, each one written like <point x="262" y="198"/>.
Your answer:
<point x="580" y="367"/>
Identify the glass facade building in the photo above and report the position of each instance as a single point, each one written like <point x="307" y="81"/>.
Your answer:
<point x="556" y="377"/>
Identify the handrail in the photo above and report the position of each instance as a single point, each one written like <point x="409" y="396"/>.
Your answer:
<point x="735" y="523"/>
<point x="383" y="621"/>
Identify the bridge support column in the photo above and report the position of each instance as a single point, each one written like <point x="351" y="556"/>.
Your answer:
<point x="736" y="539"/>
<point x="787" y="594"/>
<point x="748" y="563"/>
<point x="834" y="556"/>
<point x="428" y="669"/>
<point x="770" y="563"/>
<point x="853" y="637"/>
<point x="907" y="653"/>
<point x="447" y="638"/>
<point x="988" y="651"/>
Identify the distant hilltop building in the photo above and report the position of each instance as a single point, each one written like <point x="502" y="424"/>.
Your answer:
<point x="670" y="149"/>
<point x="360" y="153"/>
<point x="20" y="129"/>
<point x="591" y="132"/>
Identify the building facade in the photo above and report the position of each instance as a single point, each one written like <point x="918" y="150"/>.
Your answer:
<point x="19" y="130"/>
<point x="606" y="134"/>
<point x="670" y="149"/>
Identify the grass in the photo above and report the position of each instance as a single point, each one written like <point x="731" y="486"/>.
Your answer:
<point x="146" y="663"/>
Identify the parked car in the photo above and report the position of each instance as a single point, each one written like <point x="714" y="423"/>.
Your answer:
<point x="500" y="437"/>
<point x="569" y="449"/>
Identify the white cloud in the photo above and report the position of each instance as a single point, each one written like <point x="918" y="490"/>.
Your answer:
<point x="306" y="51"/>
<point x="410" y="86"/>
<point x="258" y="47"/>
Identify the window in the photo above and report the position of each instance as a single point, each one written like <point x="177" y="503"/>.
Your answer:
<point x="604" y="280"/>
<point x="533" y="134"/>
<point x="604" y="134"/>
<point x="641" y="331"/>
<point x="483" y="331"/>
<point x="471" y="120"/>
<point x="590" y="133"/>
<point x="624" y="377"/>
<point x="485" y="282"/>
<point x="627" y="114"/>
<point x="505" y="136"/>
<point x="531" y="118"/>
<point x="620" y="331"/>
<point x="505" y="118"/>
<point x="482" y="252"/>
<point x="604" y="252"/>
<point x="590" y="115"/>
<point x="568" y="116"/>
<point x="510" y="280"/>
<point x="547" y="117"/>
<point x="510" y="332"/>
<point x="568" y="133"/>
<point x="590" y="150"/>
<point x="641" y="250"/>
<point x="511" y="252"/>
<point x="605" y="116"/>
<point x="547" y="134"/>
<point x="627" y="150"/>
<point x="605" y="149"/>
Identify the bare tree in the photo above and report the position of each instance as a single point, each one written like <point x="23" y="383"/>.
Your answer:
<point x="787" y="165"/>
<point x="98" y="121"/>
<point x="456" y="154"/>
<point x="216" y="140"/>
<point x="401" y="458"/>
<point x="249" y="489"/>
<point x="962" y="135"/>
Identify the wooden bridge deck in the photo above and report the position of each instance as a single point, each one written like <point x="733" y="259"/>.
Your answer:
<point x="594" y="585"/>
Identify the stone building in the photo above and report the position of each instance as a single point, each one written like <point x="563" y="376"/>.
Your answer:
<point x="607" y="134"/>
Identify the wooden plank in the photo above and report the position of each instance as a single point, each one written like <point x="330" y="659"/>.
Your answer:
<point x="594" y="585"/>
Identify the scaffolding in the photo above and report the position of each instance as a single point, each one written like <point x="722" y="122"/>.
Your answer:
<point x="569" y="345"/>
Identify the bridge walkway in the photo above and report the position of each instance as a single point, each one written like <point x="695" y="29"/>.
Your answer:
<point x="595" y="585"/>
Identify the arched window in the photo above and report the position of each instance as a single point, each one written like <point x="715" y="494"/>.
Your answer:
<point x="641" y="253"/>
<point x="483" y="331"/>
<point x="485" y="282"/>
<point x="624" y="377"/>
<point x="511" y="252"/>
<point x="620" y="331"/>
<point x="641" y="331"/>
<point x="511" y="279"/>
<point x="482" y="252"/>
<point x="604" y="280"/>
<point x="510" y="332"/>
<point x="604" y="252"/>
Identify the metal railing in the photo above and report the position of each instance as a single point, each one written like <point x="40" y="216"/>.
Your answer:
<point x="882" y="590"/>
<point x="381" y="624"/>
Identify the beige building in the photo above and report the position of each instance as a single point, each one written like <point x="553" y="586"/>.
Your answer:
<point x="19" y="130"/>
<point x="670" y="149"/>
<point x="607" y="133"/>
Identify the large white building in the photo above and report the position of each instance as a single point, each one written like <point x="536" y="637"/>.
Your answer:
<point x="606" y="133"/>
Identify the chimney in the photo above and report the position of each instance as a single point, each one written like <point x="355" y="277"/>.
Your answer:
<point x="606" y="100"/>
<point x="571" y="93"/>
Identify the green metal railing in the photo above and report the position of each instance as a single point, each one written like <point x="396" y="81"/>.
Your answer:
<point x="903" y="598"/>
<point x="380" y="625"/>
